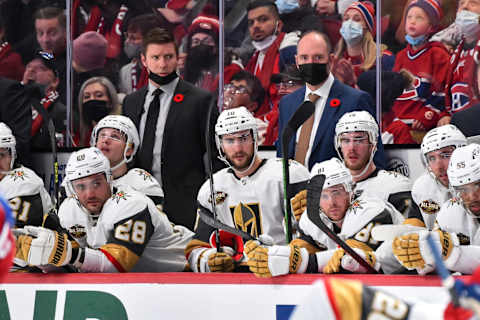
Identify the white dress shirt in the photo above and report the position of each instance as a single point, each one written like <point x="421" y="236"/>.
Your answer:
<point x="165" y="101"/>
<point x="323" y="92"/>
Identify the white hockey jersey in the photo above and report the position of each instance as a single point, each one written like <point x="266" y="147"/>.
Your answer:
<point x="362" y="215"/>
<point x="261" y="193"/>
<point x="429" y="195"/>
<point x="129" y="226"/>
<point x="142" y="181"/>
<point x="26" y="193"/>
<point x="386" y="185"/>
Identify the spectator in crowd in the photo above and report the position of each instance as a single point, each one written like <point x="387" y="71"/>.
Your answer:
<point x="11" y="65"/>
<point x="41" y="72"/>
<point x="134" y="75"/>
<point x="332" y="99"/>
<point x="245" y="90"/>
<point x="356" y="52"/>
<point x="431" y="189"/>
<point x="462" y="89"/>
<point x="101" y="241"/>
<point x="421" y="107"/>
<point x="97" y="98"/>
<point x="326" y="8"/>
<point x="201" y="63"/>
<point x="50" y="28"/>
<point x="274" y="48"/>
<point x="171" y="116"/>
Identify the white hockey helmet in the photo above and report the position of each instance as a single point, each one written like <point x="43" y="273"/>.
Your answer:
<point x="335" y="173"/>
<point x="232" y="121"/>
<point x="464" y="166"/>
<point x="441" y="137"/>
<point x="7" y="141"/>
<point x="124" y="125"/>
<point x="356" y="121"/>
<point x="84" y="163"/>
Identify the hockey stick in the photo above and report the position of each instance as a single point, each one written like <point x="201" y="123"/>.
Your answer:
<point x="210" y="168"/>
<point x="53" y="142"/>
<point x="217" y="224"/>
<point x="303" y="113"/>
<point x="447" y="279"/>
<point x="314" y="191"/>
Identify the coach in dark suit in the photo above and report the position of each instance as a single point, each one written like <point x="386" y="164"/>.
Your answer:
<point x="314" y="141"/>
<point x="171" y="117"/>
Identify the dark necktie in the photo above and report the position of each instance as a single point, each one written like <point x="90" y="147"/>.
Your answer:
<point x="145" y="155"/>
<point x="305" y="133"/>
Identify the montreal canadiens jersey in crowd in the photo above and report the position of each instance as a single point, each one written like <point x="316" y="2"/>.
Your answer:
<point x="28" y="198"/>
<point x="130" y="230"/>
<point x="429" y="195"/>
<point x="340" y="299"/>
<point x="462" y="89"/>
<point x="142" y="181"/>
<point x="261" y="194"/>
<point x="453" y="218"/>
<point x="362" y="215"/>
<point x="426" y="100"/>
<point x="389" y="186"/>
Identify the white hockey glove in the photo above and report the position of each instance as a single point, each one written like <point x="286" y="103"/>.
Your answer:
<point x="266" y="262"/>
<point x="413" y="252"/>
<point x="43" y="246"/>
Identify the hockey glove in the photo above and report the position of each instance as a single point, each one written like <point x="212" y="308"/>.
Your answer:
<point x="412" y="250"/>
<point x="299" y="204"/>
<point x="266" y="262"/>
<point x="46" y="247"/>
<point x="212" y="261"/>
<point x="339" y="258"/>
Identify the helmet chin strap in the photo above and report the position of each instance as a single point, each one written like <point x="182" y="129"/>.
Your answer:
<point x="118" y="165"/>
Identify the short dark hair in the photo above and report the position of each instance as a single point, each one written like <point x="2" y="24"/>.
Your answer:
<point x="257" y="93"/>
<point x="145" y="22"/>
<point x="158" y="36"/>
<point x="52" y="13"/>
<point x="264" y="3"/>
<point x="321" y="34"/>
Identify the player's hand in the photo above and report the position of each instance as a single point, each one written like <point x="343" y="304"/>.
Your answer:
<point x="22" y="244"/>
<point x="220" y="262"/>
<point x="46" y="247"/>
<point x="266" y="262"/>
<point x="339" y="258"/>
<point x="299" y="204"/>
<point x="412" y="250"/>
<point x="417" y="125"/>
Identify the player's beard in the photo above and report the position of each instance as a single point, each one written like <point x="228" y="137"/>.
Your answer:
<point x="359" y="163"/>
<point x="476" y="206"/>
<point x="241" y="165"/>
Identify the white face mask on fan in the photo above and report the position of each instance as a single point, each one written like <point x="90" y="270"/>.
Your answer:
<point x="469" y="23"/>
<point x="267" y="42"/>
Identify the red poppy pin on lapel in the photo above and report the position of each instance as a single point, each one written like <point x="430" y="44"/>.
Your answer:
<point x="334" y="103"/>
<point x="178" y="97"/>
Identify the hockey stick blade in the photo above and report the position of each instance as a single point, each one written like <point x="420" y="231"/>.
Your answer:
<point x="305" y="110"/>
<point x="387" y="232"/>
<point x="447" y="279"/>
<point x="314" y="191"/>
<point x="214" y="223"/>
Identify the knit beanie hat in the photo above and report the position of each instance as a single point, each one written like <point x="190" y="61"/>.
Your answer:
<point x="90" y="50"/>
<point x="432" y="8"/>
<point x="367" y="10"/>
<point x="206" y="24"/>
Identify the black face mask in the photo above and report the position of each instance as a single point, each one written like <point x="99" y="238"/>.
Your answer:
<point x="201" y="56"/>
<point x="313" y="73"/>
<point x="95" y="110"/>
<point x="162" y="80"/>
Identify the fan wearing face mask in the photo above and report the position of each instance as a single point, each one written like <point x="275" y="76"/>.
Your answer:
<point x="356" y="50"/>
<point x="421" y="106"/>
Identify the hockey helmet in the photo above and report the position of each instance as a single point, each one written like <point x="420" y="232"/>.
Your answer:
<point x="441" y="137"/>
<point x="464" y="166"/>
<point x="7" y="141"/>
<point x="356" y="121"/>
<point x="335" y="173"/>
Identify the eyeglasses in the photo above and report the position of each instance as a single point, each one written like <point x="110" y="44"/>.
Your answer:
<point x="132" y="36"/>
<point x="357" y="141"/>
<point x="119" y="137"/>
<point x="468" y="189"/>
<point x="4" y="154"/>
<point x="94" y="184"/>
<point x="289" y="84"/>
<point x="206" y="41"/>
<point x="234" y="89"/>
<point x="46" y="55"/>
<point x="243" y="139"/>
<point x="441" y="156"/>
<point x="332" y="194"/>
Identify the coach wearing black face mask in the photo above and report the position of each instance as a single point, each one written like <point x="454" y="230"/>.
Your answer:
<point x="171" y="116"/>
<point x="314" y="140"/>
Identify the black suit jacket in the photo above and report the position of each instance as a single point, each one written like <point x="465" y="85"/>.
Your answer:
<point x="183" y="147"/>
<point x="16" y="112"/>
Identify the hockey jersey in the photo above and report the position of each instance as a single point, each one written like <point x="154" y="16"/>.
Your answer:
<point x="142" y="181"/>
<point x="462" y="87"/>
<point x="28" y="198"/>
<point x="426" y="99"/>
<point x="389" y="186"/>
<point x="254" y="204"/>
<point x="130" y="231"/>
